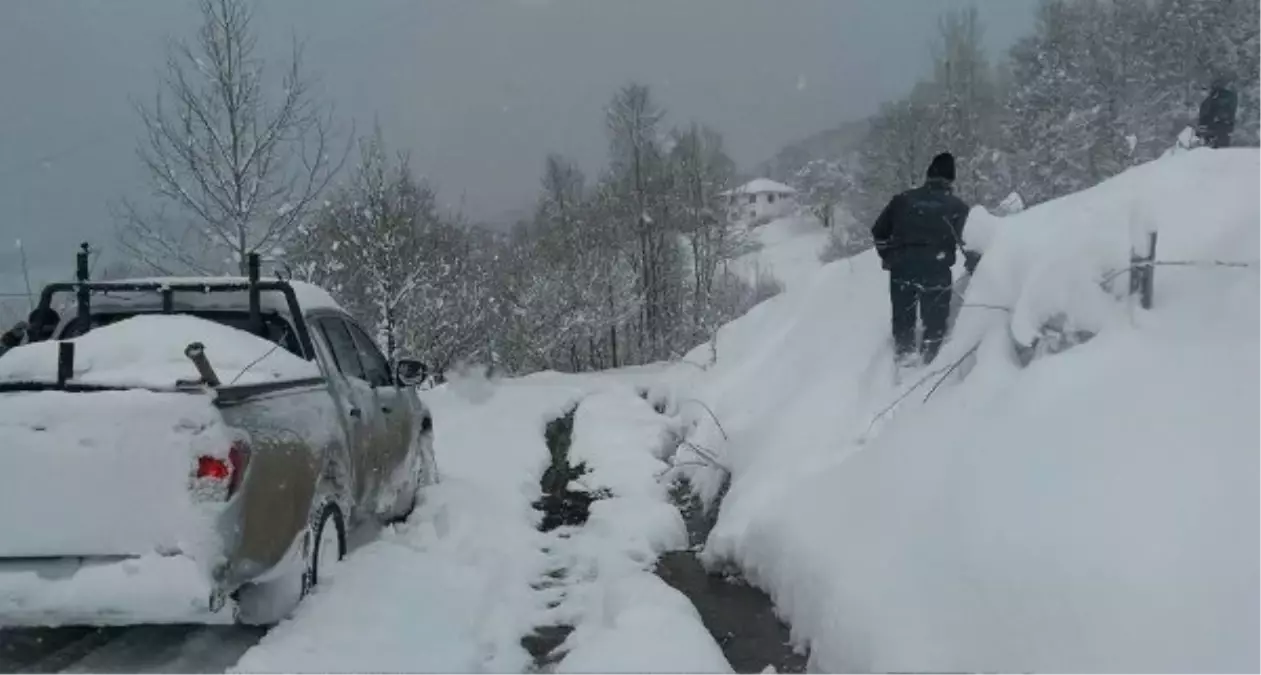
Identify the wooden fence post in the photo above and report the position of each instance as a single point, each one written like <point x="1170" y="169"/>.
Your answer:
<point x="1142" y="272"/>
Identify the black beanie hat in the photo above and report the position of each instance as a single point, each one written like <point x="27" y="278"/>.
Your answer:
<point x="943" y="166"/>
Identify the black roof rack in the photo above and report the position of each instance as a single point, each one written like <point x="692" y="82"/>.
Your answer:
<point x="83" y="289"/>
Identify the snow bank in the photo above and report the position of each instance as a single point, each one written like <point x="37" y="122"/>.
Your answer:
<point x="1050" y="263"/>
<point x="1095" y="511"/>
<point x="796" y="361"/>
<point x="627" y="620"/>
<point x="148" y="351"/>
<point x="457" y="587"/>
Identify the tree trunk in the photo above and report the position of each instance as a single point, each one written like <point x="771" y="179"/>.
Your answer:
<point x="613" y="345"/>
<point x="389" y="334"/>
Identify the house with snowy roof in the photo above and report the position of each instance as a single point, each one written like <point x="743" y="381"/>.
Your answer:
<point x="760" y="200"/>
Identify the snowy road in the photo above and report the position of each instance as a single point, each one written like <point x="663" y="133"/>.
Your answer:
<point x="470" y="576"/>
<point x="138" y="649"/>
<point x="175" y="648"/>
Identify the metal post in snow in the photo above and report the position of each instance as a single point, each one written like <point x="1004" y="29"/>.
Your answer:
<point x="82" y="295"/>
<point x="1149" y="279"/>
<point x="256" y="315"/>
<point x="65" y="363"/>
<point x="1142" y="272"/>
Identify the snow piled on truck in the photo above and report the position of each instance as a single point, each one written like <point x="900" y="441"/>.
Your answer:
<point x="1094" y="510"/>
<point x="147" y="351"/>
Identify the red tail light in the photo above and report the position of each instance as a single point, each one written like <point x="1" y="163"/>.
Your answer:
<point x="213" y="468"/>
<point x="227" y="473"/>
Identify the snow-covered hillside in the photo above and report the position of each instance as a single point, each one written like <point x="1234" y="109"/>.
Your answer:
<point x="788" y="249"/>
<point x="1093" y="511"/>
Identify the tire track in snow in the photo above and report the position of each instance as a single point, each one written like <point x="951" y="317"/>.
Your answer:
<point x="174" y="648"/>
<point x="741" y="617"/>
<point x="48" y="650"/>
<point x="156" y="648"/>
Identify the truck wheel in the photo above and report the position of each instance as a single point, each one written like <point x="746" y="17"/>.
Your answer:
<point x="424" y="475"/>
<point x="323" y="545"/>
<point x="267" y="602"/>
<point x="328" y="545"/>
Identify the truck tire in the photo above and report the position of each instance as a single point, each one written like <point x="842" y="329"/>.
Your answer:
<point x="328" y="544"/>
<point x="426" y="473"/>
<point x="268" y="601"/>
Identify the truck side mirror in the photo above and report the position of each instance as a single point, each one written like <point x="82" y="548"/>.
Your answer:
<point x="410" y="372"/>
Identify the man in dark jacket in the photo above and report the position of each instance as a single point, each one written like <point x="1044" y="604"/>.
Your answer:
<point x="1217" y="114"/>
<point x="916" y="236"/>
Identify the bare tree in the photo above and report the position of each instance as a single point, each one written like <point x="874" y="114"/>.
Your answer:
<point x="365" y="245"/>
<point x="894" y="153"/>
<point x="961" y="96"/>
<point x="631" y="121"/>
<point x="823" y="184"/>
<point x="454" y="306"/>
<point x="115" y="270"/>
<point x="703" y="170"/>
<point x="233" y="171"/>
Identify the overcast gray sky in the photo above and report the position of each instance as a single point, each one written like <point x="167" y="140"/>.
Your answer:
<point x="477" y="90"/>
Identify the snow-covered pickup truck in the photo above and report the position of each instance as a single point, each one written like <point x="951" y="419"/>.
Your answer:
<point x="195" y="450"/>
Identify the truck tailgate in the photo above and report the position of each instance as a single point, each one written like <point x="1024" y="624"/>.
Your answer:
<point x="105" y="473"/>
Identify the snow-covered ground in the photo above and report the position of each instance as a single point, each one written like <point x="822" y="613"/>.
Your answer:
<point x="788" y="250"/>
<point x="1093" y="511"/>
<point x="457" y="587"/>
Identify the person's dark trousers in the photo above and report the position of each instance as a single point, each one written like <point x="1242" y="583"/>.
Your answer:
<point x="1219" y="139"/>
<point x="921" y="289"/>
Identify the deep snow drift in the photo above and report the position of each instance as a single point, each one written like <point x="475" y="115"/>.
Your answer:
<point x="1093" y="511"/>
<point x="457" y="587"/>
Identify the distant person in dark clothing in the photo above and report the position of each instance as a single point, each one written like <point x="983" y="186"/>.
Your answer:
<point x="41" y="324"/>
<point x="1217" y="114"/>
<point x="916" y="236"/>
<point x="12" y="337"/>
